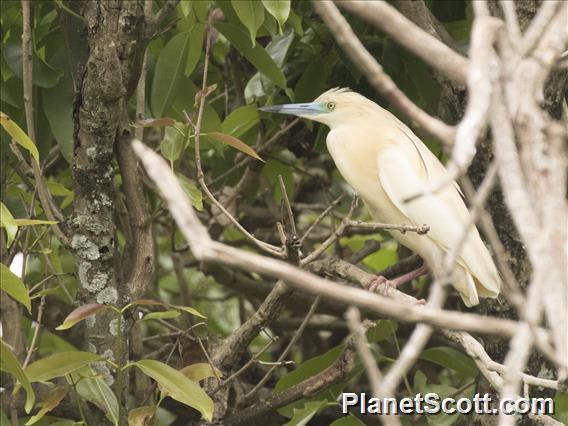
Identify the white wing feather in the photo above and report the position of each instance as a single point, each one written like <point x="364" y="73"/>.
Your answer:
<point x="445" y="214"/>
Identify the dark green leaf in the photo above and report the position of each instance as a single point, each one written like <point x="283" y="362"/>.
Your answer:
<point x="195" y="48"/>
<point x="43" y="74"/>
<point x="349" y="420"/>
<point x="251" y="14"/>
<point x="280" y="9"/>
<point x="450" y="358"/>
<point x="303" y="415"/>
<point x="381" y="330"/>
<point x="240" y="121"/>
<point x="256" y="55"/>
<point x="168" y="73"/>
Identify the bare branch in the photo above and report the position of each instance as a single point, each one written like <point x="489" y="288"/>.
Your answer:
<point x="425" y="46"/>
<point x="353" y="317"/>
<point x="353" y="47"/>
<point x="207" y="250"/>
<point x="269" y="248"/>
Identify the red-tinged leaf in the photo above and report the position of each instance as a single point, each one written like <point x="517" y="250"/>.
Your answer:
<point x="33" y="222"/>
<point x="235" y="143"/>
<point x="142" y="416"/>
<point x="155" y="122"/>
<point x="203" y="93"/>
<point x="79" y="314"/>
<point x="53" y="399"/>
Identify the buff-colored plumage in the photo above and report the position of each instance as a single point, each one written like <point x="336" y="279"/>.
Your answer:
<point x="386" y="163"/>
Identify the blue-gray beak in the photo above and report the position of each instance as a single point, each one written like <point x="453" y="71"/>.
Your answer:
<point x="295" y="109"/>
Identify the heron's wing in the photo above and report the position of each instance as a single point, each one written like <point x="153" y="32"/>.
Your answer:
<point x="444" y="213"/>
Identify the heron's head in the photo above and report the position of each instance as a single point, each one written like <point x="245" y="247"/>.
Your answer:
<point x="334" y="107"/>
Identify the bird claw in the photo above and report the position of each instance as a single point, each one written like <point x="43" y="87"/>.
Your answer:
<point x="380" y="285"/>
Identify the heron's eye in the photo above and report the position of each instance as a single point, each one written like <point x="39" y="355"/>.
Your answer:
<point x="331" y="106"/>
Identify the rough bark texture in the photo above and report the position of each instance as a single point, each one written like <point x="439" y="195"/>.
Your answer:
<point x="104" y="82"/>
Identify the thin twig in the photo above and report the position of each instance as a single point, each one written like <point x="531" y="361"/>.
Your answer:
<point x="333" y="237"/>
<point x="269" y="248"/>
<point x="286" y="351"/>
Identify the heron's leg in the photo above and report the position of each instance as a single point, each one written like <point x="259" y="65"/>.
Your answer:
<point x="382" y="284"/>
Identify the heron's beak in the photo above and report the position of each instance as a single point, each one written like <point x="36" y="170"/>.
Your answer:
<point x="300" y="110"/>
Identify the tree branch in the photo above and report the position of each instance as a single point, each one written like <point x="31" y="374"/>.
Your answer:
<point x="353" y="47"/>
<point x="425" y="46"/>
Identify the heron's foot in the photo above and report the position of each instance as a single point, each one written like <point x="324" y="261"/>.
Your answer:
<point x="421" y="302"/>
<point x="380" y="285"/>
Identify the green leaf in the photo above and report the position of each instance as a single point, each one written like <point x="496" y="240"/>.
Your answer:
<point x="190" y="310"/>
<point x="195" y="47"/>
<point x="178" y="386"/>
<point x="43" y="75"/>
<point x="19" y="135"/>
<point x="303" y="415"/>
<point x="271" y="170"/>
<point x="192" y="191"/>
<point x="159" y="303"/>
<point x="240" y="121"/>
<point x="450" y="358"/>
<point x="58" y="189"/>
<point x="251" y="14"/>
<point x="255" y="55"/>
<point x="10" y="364"/>
<point x="280" y="9"/>
<point x="420" y="382"/>
<point x="235" y="143"/>
<point x="314" y="78"/>
<point x="7" y="222"/>
<point x="173" y="144"/>
<point x="79" y="314"/>
<point x="54" y="397"/>
<point x="349" y="420"/>
<point x="199" y="371"/>
<point x="200" y="7"/>
<point x="14" y="287"/>
<point x="57" y="103"/>
<point x="142" y="416"/>
<point x="92" y="387"/>
<point x="59" y="364"/>
<point x="381" y="330"/>
<point x="168" y="73"/>
<point x="308" y="369"/>
<point x="561" y="407"/>
<point x="161" y="315"/>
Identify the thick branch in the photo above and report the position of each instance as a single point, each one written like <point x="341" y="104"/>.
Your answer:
<point x="353" y="47"/>
<point x="425" y="46"/>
